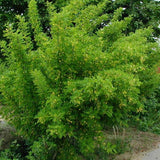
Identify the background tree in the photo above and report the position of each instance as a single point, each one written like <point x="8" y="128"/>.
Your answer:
<point x="145" y="13"/>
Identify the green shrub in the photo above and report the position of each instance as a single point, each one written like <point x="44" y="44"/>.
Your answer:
<point x="61" y="90"/>
<point x="149" y="120"/>
<point x="18" y="150"/>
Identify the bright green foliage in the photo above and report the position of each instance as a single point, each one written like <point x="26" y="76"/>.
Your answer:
<point x="144" y="12"/>
<point x="64" y="90"/>
<point x="10" y="8"/>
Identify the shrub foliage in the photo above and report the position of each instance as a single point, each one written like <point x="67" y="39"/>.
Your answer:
<point x="61" y="89"/>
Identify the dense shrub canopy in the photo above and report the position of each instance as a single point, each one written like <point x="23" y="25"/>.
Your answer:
<point x="61" y="89"/>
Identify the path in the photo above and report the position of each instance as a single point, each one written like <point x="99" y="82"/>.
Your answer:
<point x="143" y="146"/>
<point x="153" y="154"/>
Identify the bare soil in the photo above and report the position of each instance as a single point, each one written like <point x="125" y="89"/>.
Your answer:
<point x="139" y="143"/>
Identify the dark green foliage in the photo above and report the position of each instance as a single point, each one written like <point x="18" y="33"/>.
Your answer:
<point x="18" y="150"/>
<point x="144" y="12"/>
<point x="61" y="90"/>
<point x="149" y="120"/>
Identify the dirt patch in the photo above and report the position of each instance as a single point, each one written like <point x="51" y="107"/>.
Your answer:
<point x="138" y="143"/>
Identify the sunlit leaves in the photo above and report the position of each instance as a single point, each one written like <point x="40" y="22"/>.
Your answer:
<point x="85" y="74"/>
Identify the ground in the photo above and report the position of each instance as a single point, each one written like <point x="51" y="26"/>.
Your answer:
<point x="138" y="143"/>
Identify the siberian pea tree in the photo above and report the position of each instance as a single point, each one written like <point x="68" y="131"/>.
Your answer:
<point x="62" y="89"/>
